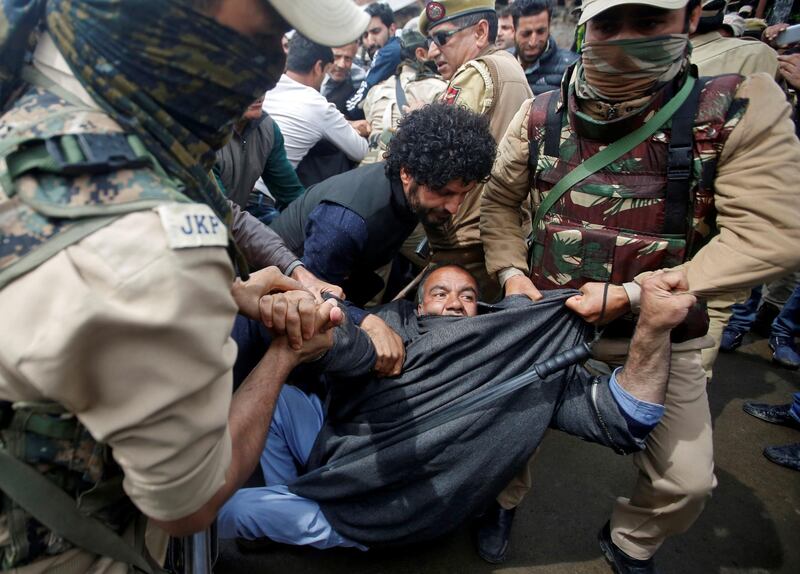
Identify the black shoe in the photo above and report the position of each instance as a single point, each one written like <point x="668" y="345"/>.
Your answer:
<point x="775" y="414"/>
<point x="256" y="545"/>
<point x="788" y="456"/>
<point x="494" y="531"/>
<point x="621" y="562"/>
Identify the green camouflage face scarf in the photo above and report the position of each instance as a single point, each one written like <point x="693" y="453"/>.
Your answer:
<point x="173" y="76"/>
<point x="625" y="70"/>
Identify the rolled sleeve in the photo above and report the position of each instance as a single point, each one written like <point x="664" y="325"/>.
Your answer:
<point x="642" y="416"/>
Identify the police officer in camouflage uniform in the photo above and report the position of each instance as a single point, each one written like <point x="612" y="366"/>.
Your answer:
<point x="704" y="180"/>
<point x="116" y="272"/>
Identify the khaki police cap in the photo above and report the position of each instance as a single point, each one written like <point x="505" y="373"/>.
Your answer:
<point x="326" y="22"/>
<point x="439" y="11"/>
<point x="592" y="8"/>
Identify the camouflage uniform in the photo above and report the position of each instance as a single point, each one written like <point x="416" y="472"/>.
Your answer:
<point x="95" y="241"/>
<point x="609" y="227"/>
<point x="48" y="211"/>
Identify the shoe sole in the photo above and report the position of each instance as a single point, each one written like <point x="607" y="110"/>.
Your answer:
<point x="780" y="463"/>
<point x="784" y="365"/>
<point x="492" y="560"/>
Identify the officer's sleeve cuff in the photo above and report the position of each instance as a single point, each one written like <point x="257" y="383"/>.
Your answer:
<point x="507" y="273"/>
<point x="634" y="292"/>
<point x="292" y="266"/>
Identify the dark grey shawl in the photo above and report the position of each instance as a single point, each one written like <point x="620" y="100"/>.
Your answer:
<point x="423" y="486"/>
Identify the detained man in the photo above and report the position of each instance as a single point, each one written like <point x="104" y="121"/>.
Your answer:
<point x="395" y="460"/>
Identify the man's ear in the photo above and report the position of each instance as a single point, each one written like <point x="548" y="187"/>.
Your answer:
<point x="421" y="54"/>
<point x="392" y="29"/>
<point x="319" y="68"/>
<point x="405" y="177"/>
<point x="694" y="19"/>
<point x="482" y="34"/>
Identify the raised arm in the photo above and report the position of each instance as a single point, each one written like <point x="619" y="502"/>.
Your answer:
<point x="619" y="411"/>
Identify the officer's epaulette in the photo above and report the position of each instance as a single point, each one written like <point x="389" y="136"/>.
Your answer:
<point x="66" y="170"/>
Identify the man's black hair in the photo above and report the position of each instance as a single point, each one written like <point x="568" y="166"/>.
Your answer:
<point x="430" y="271"/>
<point x="382" y="11"/>
<point x="504" y="11"/>
<point x="522" y="8"/>
<point x="440" y="143"/>
<point x="303" y="54"/>
<point x="469" y="19"/>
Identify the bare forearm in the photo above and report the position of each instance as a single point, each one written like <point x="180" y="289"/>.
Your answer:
<point x="647" y="369"/>
<point x="251" y="414"/>
<point x="249" y="419"/>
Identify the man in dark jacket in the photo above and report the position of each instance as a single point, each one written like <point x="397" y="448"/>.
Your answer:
<point x="384" y="50"/>
<point x="350" y="225"/>
<point x="543" y="61"/>
<point x="378" y="469"/>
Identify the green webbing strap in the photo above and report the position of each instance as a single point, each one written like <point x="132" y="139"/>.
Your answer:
<point x="57" y="511"/>
<point x="612" y="153"/>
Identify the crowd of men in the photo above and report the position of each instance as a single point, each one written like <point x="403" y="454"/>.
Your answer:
<point x="301" y="268"/>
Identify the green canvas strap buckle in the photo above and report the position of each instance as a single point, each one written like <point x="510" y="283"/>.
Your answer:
<point x="101" y="153"/>
<point x="78" y="154"/>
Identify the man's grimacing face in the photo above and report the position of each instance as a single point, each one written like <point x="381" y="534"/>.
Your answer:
<point x="449" y="291"/>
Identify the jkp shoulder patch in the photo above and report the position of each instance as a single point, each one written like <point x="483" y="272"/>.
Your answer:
<point x="192" y="225"/>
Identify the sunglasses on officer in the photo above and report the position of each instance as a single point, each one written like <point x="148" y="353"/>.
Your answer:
<point x="441" y="38"/>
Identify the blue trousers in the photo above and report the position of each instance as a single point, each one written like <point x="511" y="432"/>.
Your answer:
<point x="272" y="511"/>
<point x="784" y="325"/>
<point x="795" y="411"/>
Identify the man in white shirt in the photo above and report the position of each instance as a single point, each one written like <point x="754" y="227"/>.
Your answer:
<point x="303" y="114"/>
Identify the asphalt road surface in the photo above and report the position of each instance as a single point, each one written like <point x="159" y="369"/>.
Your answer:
<point x="750" y="526"/>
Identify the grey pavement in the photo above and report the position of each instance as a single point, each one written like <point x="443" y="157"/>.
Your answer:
<point x="750" y="526"/>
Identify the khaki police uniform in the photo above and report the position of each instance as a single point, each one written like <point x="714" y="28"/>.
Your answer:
<point x="758" y="211"/>
<point x="380" y="106"/>
<point x="129" y="329"/>
<point x="493" y="85"/>
<point x="713" y="54"/>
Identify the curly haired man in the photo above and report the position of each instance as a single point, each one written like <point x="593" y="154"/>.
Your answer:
<point x="349" y="225"/>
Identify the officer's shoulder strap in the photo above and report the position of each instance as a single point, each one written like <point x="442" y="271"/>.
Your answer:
<point x="66" y="170"/>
